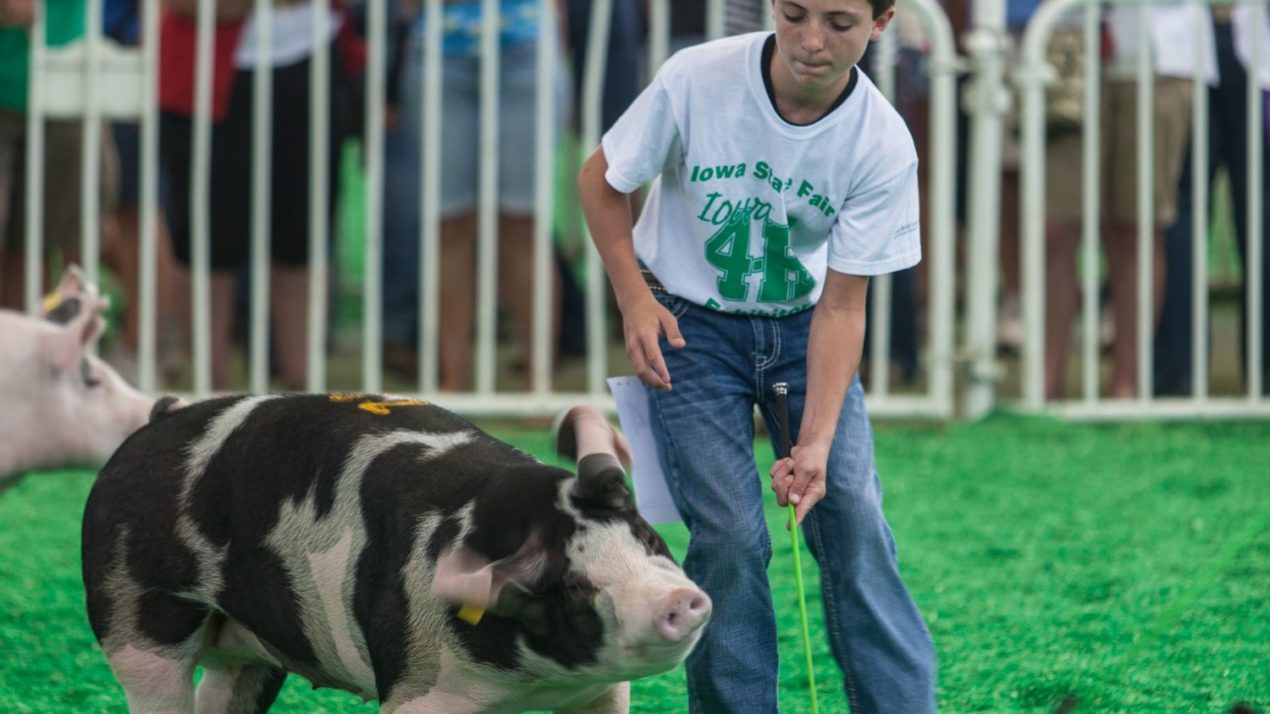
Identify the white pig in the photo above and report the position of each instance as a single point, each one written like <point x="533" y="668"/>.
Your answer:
<point x="59" y="405"/>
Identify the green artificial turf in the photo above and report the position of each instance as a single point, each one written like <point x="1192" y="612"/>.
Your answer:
<point x="1092" y="568"/>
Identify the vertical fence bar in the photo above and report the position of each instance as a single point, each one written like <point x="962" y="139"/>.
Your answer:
<point x="34" y="268"/>
<point x="1256" y="177"/>
<point x="262" y="198"/>
<point x="1090" y="226"/>
<point x="90" y="158"/>
<point x="372" y="306"/>
<point x="487" y="207"/>
<point x="319" y="182"/>
<point x="430" y="200"/>
<point x="987" y="101"/>
<point x="200" y="197"/>
<point x="943" y="70"/>
<point x="1199" y="225"/>
<point x="714" y="19"/>
<point x="1146" y="206"/>
<point x="880" y="314"/>
<point x="592" y="85"/>
<point x="1032" y="229"/>
<point x="544" y="195"/>
<point x="148" y="202"/>
<point x="658" y="34"/>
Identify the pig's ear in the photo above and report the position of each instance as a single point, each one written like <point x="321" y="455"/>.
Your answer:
<point x="70" y="341"/>
<point x="465" y="577"/>
<point x="601" y="482"/>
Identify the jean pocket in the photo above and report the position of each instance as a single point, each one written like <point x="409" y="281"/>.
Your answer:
<point x="675" y="304"/>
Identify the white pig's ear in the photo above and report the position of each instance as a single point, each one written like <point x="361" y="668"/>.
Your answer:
<point x="72" y="282"/>
<point x="71" y="340"/>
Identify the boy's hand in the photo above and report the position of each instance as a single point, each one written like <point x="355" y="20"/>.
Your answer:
<point x="800" y="478"/>
<point x="643" y="323"/>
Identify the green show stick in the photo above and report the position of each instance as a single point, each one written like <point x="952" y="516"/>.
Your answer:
<point x="782" y="411"/>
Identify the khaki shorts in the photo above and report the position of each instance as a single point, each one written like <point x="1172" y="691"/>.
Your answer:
<point x="63" y="142"/>
<point x="1118" y="178"/>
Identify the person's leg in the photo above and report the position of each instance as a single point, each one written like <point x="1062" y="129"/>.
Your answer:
<point x="458" y="302"/>
<point x="1121" y="244"/>
<point x="516" y="287"/>
<point x="1173" y="360"/>
<point x="704" y="430"/>
<point x="1061" y="299"/>
<point x="402" y="178"/>
<point x="1229" y="104"/>
<point x="289" y="314"/>
<point x="876" y="632"/>
<point x="222" y="337"/>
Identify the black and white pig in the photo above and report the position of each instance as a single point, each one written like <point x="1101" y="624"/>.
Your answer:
<point x="61" y="405"/>
<point x="379" y="545"/>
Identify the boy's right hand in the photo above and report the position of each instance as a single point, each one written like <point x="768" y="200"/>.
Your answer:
<point x="643" y="323"/>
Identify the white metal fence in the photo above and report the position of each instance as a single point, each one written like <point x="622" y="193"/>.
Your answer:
<point x="96" y="80"/>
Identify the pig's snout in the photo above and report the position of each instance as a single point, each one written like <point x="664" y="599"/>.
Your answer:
<point x="682" y="613"/>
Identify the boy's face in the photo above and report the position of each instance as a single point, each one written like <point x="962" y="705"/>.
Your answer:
<point x="819" y="41"/>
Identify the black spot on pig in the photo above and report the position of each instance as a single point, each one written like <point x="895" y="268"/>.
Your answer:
<point x="65" y="311"/>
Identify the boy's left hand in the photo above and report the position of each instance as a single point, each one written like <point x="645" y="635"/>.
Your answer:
<point x="800" y="478"/>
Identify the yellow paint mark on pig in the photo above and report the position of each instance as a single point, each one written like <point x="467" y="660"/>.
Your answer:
<point x="471" y="614"/>
<point x="381" y="408"/>
<point x="52" y="300"/>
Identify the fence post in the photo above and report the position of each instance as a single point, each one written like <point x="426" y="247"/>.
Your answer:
<point x="986" y="100"/>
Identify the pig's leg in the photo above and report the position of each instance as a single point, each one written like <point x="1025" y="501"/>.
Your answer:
<point x="245" y="689"/>
<point x="160" y="679"/>
<point x="615" y="700"/>
<point x="154" y="683"/>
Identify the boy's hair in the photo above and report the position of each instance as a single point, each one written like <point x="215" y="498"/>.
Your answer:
<point x="879" y="6"/>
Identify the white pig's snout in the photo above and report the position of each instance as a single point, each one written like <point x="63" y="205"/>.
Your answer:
<point x="682" y="613"/>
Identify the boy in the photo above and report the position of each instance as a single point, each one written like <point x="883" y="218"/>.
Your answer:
<point x="783" y="180"/>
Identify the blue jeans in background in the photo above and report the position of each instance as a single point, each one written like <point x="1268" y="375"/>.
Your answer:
<point x="704" y="429"/>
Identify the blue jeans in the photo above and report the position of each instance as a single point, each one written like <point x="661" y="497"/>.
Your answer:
<point x="704" y="430"/>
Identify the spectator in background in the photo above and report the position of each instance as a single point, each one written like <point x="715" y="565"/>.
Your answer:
<point x="63" y="148"/>
<point x="122" y="244"/>
<point x="460" y="166"/>
<point x="231" y="172"/>
<point x="1173" y="53"/>
<point x="402" y="184"/>
<point x="1233" y="29"/>
<point x="621" y="66"/>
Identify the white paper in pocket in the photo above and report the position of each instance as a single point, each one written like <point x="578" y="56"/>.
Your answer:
<point x="652" y="495"/>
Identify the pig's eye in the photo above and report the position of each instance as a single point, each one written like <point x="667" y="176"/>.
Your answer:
<point x="86" y="373"/>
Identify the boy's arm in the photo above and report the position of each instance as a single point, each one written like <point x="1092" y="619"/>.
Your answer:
<point x="833" y="356"/>
<point x="608" y="216"/>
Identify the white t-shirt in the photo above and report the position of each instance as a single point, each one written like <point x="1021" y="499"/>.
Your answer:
<point x="748" y="210"/>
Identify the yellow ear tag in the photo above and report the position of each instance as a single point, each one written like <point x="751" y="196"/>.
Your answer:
<point x="52" y="300"/>
<point x="471" y="614"/>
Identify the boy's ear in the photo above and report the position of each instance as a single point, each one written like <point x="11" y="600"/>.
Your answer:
<point x="880" y="22"/>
